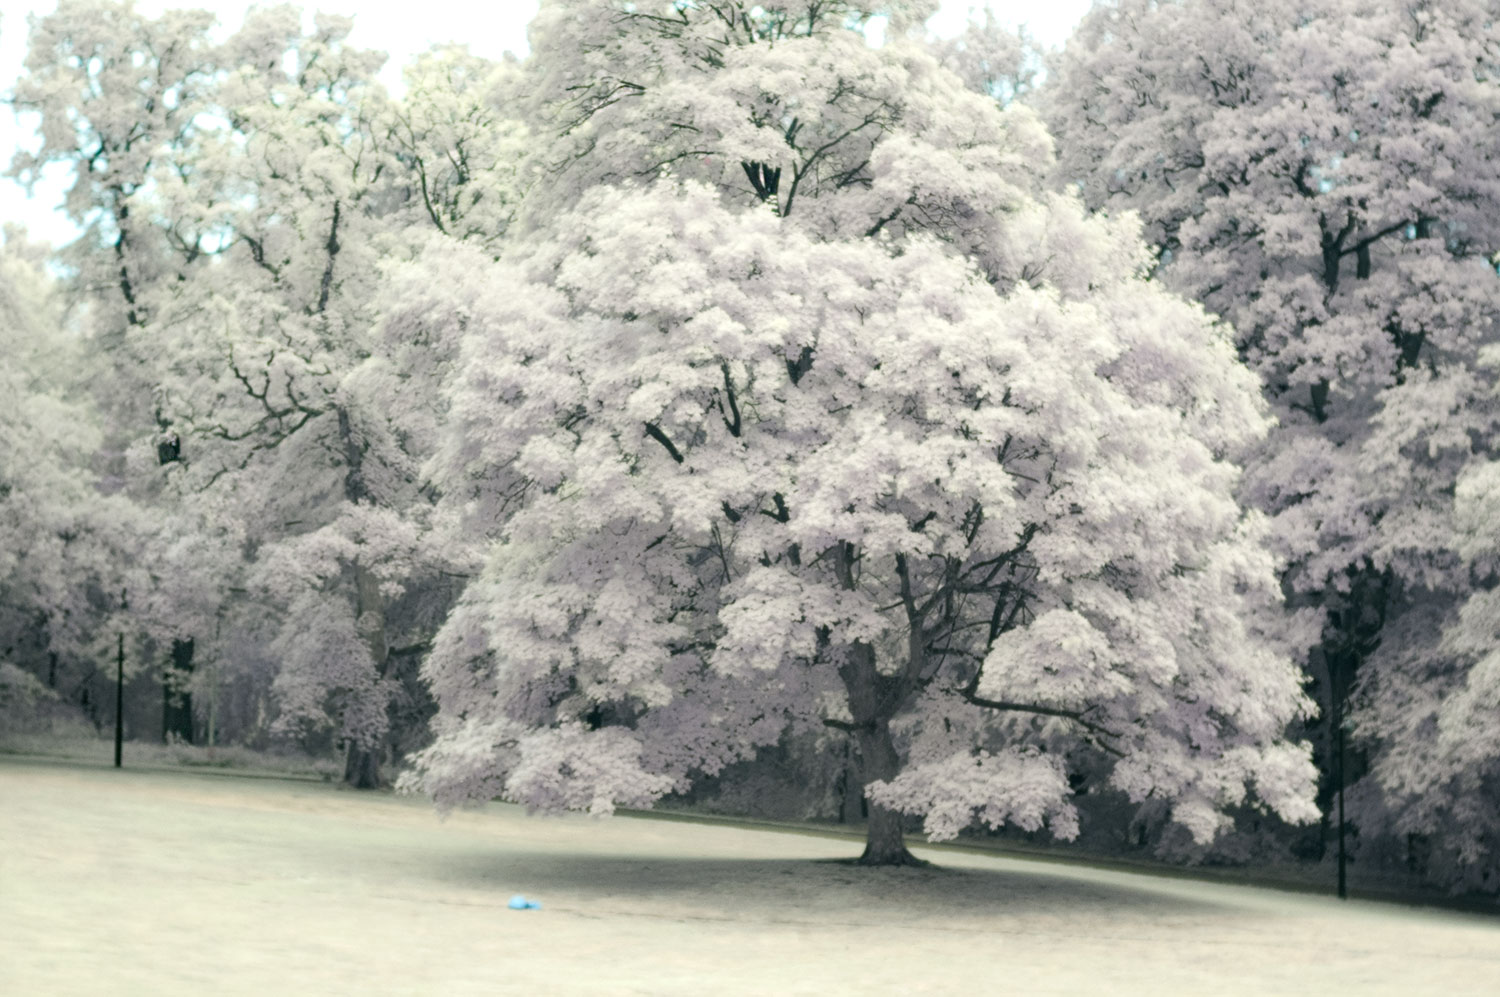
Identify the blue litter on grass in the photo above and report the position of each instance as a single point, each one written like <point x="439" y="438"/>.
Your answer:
<point x="519" y="902"/>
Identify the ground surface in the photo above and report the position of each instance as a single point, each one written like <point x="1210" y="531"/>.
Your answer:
<point x="154" y="883"/>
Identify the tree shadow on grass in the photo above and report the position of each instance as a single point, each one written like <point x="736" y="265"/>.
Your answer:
<point x="831" y="890"/>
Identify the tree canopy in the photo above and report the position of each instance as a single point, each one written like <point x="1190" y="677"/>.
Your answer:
<point x="837" y="418"/>
<point x="1319" y="176"/>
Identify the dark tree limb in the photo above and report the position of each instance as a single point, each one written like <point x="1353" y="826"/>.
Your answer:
<point x="654" y="431"/>
<point x="763" y="179"/>
<point x="921" y="523"/>
<point x="795" y="369"/>
<point x="332" y="246"/>
<point x="781" y="515"/>
<point x="1049" y="711"/>
<point x="734" y="427"/>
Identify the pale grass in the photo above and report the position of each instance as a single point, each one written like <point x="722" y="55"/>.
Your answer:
<point x="75" y="743"/>
<point x="162" y="883"/>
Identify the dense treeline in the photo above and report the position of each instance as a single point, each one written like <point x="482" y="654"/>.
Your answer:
<point x="1106" y="451"/>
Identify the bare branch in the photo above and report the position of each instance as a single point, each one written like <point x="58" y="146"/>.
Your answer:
<point x="734" y="427"/>
<point x="332" y="247"/>
<point x="1047" y="711"/>
<point x="656" y="434"/>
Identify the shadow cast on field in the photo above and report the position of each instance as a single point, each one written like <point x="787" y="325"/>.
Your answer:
<point x="758" y="888"/>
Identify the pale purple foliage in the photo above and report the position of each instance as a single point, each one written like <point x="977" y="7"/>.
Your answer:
<point x="1325" y="177"/>
<point x="741" y="440"/>
<point x="250" y="190"/>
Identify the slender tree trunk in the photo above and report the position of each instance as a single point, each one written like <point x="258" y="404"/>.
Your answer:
<point x="213" y="708"/>
<point x="1338" y="687"/>
<point x="90" y="704"/>
<point x="362" y="763"/>
<point x="119" y="698"/>
<point x="1343" y="888"/>
<point x="177" y="702"/>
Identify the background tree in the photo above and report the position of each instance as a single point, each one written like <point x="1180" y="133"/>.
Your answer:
<point x="816" y="410"/>
<point x="118" y="93"/>
<point x="66" y="545"/>
<point x="253" y="190"/>
<point x="458" y="142"/>
<point x="1432" y="712"/>
<point x="991" y="58"/>
<point x="1319" y="176"/>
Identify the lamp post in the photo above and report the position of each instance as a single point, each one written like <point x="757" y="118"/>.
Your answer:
<point x="1338" y="733"/>
<point x="120" y="687"/>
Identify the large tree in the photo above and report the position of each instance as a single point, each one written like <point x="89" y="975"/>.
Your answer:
<point x="240" y="199"/>
<point x="1325" y="177"/>
<point x="801" y="404"/>
<point x="69" y="542"/>
<point x="1432" y="710"/>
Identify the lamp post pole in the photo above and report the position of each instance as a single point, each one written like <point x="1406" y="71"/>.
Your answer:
<point x="120" y="688"/>
<point x="1338" y="682"/>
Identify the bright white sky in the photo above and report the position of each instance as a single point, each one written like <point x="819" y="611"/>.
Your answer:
<point x="402" y="29"/>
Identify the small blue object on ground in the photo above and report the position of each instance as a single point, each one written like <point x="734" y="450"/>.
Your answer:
<point x="519" y="902"/>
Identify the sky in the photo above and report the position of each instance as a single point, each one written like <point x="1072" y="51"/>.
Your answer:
<point x="488" y="28"/>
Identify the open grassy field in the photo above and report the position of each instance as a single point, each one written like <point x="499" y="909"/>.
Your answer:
<point x="132" y="882"/>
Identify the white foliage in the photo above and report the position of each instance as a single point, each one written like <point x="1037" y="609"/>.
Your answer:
<point x="1310" y="174"/>
<point x="1016" y="786"/>
<point x="328" y="677"/>
<point x="730" y="440"/>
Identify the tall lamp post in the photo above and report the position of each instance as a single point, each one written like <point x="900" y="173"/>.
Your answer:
<point x="1338" y="733"/>
<point x="120" y="687"/>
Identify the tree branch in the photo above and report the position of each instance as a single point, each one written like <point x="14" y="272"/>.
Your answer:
<point x="847" y="727"/>
<point x="781" y="515"/>
<point x="656" y="434"/>
<point x="734" y="427"/>
<point x="332" y="247"/>
<point x="1048" y="711"/>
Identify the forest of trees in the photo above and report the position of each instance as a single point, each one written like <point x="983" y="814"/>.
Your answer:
<point x="1102" y="441"/>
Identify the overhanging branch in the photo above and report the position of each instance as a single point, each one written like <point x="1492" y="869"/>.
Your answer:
<point x="654" y="431"/>
<point x="1076" y="716"/>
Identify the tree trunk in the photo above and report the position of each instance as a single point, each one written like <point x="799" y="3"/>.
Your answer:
<point x="362" y="764"/>
<point x="852" y="802"/>
<point x="884" y="842"/>
<point x="90" y="704"/>
<point x="119" y="698"/>
<point x="873" y="700"/>
<point x="177" y="702"/>
<point x="362" y="767"/>
<point x="213" y="708"/>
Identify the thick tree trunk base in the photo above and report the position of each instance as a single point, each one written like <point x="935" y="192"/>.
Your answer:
<point x="903" y="857"/>
<point x="362" y="769"/>
<point x="884" y="842"/>
<point x="910" y="862"/>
